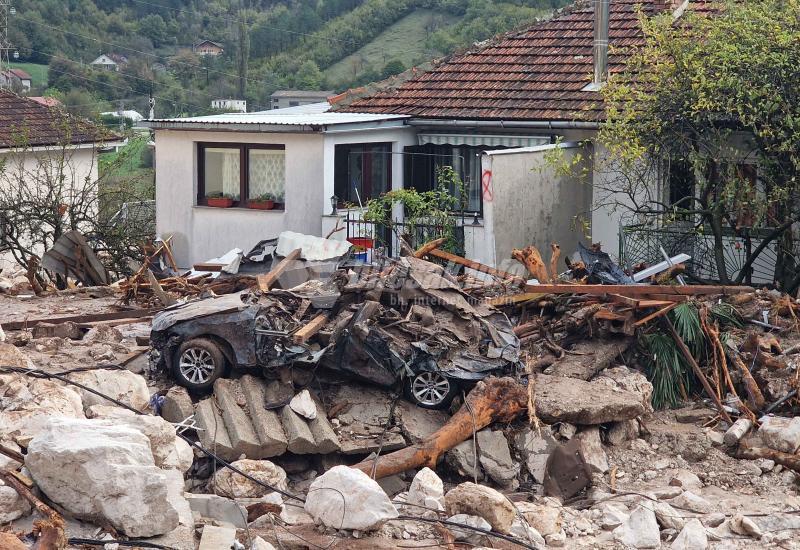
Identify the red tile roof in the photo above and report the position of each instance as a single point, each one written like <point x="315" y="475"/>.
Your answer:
<point x="24" y="122"/>
<point x="535" y="74"/>
<point x="19" y="73"/>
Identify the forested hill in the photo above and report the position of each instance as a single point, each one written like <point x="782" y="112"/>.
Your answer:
<point x="269" y="44"/>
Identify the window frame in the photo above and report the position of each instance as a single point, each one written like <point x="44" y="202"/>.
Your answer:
<point x="362" y="149"/>
<point x="244" y="168"/>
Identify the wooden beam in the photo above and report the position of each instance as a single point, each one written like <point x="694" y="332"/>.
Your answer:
<point x="513" y="299"/>
<point x="639" y="290"/>
<point x="214" y="268"/>
<point x="162" y="296"/>
<point x="654" y="315"/>
<point x="425" y="249"/>
<point x="266" y="280"/>
<point x="310" y="329"/>
<point x="476" y="266"/>
<point x="85" y="318"/>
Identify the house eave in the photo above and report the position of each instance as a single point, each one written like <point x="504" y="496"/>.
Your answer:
<point x="487" y="123"/>
<point x="273" y="128"/>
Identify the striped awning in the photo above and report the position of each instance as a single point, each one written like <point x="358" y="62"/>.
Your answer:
<point x="487" y="140"/>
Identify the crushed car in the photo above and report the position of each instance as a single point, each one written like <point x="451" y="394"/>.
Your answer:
<point x="413" y="328"/>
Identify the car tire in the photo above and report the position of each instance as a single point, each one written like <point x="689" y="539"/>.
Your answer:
<point x="431" y="389"/>
<point x="198" y="363"/>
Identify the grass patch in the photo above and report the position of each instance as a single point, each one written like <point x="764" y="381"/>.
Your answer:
<point x="38" y="72"/>
<point x="404" y="40"/>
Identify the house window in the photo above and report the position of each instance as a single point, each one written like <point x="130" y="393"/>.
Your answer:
<point x="241" y="172"/>
<point x="681" y="181"/>
<point x="294" y="104"/>
<point x="422" y="163"/>
<point x="362" y="171"/>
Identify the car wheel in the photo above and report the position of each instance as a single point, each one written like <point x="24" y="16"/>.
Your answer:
<point x="198" y="363"/>
<point x="431" y="390"/>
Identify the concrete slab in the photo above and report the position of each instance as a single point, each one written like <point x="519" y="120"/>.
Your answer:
<point x="212" y="433"/>
<point x="301" y="440"/>
<point x="240" y="430"/>
<point x="324" y="436"/>
<point x="266" y="423"/>
<point x="217" y="538"/>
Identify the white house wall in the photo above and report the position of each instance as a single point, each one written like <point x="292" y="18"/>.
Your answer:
<point x="201" y="232"/>
<point x="531" y="203"/>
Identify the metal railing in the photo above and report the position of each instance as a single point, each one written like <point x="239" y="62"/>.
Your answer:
<point x="639" y="243"/>
<point x="369" y="237"/>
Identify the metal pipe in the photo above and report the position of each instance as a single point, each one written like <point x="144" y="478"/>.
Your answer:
<point x="600" y="51"/>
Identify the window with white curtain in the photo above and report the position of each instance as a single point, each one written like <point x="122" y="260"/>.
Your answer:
<point x="241" y="172"/>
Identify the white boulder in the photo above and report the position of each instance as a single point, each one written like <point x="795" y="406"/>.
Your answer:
<point x="780" y="433"/>
<point x="230" y="484"/>
<point x="640" y="530"/>
<point x="692" y="502"/>
<point x="479" y="500"/>
<point x="692" y="537"/>
<point x="545" y="517"/>
<point x="465" y="534"/>
<point x="303" y="404"/>
<point x="346" y="498"/>
<point x="426" y="491"/>
<point x="122" y="385"/>
<point x="12" y="505"/>
<point x="27" y="403"/>
<point x="102" y="472"/>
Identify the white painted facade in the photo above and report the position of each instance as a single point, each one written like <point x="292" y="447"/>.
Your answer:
<point x="238" y="105"/>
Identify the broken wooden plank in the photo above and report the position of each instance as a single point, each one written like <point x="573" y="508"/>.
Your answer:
<point x="428" y="247"/>
<point x="513" y="299"/>
<point x="162" y="296"/>
<point x="85" y="318"/>
<point x="310" y="329"/>
<point x="214" y="268"/>
<point x="476" y="266"/>
<point x="654" y="315"/>
<point x="639" y="290"/>
<point x="266" y="280"/>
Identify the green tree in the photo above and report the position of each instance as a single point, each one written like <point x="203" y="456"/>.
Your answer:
<point x="392" y="67"/>
<point x="309" y="77"/>
<point x="713" y="97"/>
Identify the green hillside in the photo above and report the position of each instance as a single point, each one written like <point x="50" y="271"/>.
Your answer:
<point x="37" y="71"/>
<point x="403" y="42"/>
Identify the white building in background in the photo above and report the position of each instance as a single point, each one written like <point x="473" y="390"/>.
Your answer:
<point x="236" y="105"/>
<point x="282" y="99"/>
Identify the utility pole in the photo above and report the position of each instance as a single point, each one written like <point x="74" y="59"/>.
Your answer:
<point x="244" y="51"/>
<point x="5" y="42"/>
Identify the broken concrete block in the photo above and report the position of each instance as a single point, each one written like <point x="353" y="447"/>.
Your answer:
<point x="303" y="404"/>
<point x="177" y="405"/>
<point x="230" y="484"/>
<point x="545" y="517"/>
<point x="687" y="500"/>
<point x="103" y="333"/>
<point x="102" y="473"/>
<point x="325" y="438"/>
<point x="391" y="441"/>
<point x="640" y="530"/>
<point x="427" y="490"/>
<point x="468" y="535"/>
<point x="479" y="500"/>
<point x="495" y="458"/>
<point x="578" y="402"/>
<point x="346" y="498"/>
<point x="240" y="430"/>
<point x="218" y="508"/>
<point x="122" y="385"/>
<point x="261" y="544"/>
<point x="182" y="537"/>
<point x="217" y="538"/>
<point x="461" y="458"/>
<point x="592" y="449"/>
<point x="67" y="329"/>
<point x="298" y="434"/>
<point x="686" y="480"/>
<point x="612" y="515"/>
<point x="620" y="432"/>
<point x="267" y="423"/>
<point x="212" y="432"/>
<point x="534" y="449"/>
<point x="628" y="380"/>
<point x="417" y="423"/>
<point x="780" y="433"/>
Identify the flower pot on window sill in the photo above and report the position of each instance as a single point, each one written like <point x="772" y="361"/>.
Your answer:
<point x="261" y="205"/>
<point x="219" y="202"/>
<point x="279" y="206"/>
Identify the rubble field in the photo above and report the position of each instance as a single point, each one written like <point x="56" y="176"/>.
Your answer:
<point x="419" y="403"/>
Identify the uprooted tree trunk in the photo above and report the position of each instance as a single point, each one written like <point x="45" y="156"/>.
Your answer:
<point x="491" y="400"/>
<point x="533" y="262"/>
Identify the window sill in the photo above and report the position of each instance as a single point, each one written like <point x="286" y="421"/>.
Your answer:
<point x="239" y="209"/>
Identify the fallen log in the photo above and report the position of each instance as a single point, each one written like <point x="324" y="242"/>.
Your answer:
<point x="50" y="530"/>
<point x="555" y="254"/>
<point x="787" y="460"/>
<point x="491" y="400"/>
<point x="476" y="266"/>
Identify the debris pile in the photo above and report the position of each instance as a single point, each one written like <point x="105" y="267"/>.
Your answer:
<point x="418" y="402"/>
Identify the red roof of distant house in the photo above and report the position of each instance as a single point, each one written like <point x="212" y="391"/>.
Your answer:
<point x="535" y="74"/>
<point x="27" y="123"/>
<point x="46" y="101"/>
<point x="19" y="73"/>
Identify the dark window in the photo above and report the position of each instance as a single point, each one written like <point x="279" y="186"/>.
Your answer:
<point x="681" y="185"/>
<point x="241" y="172"/>
<point x="294" y="103"/>
<point x="423" y="161"/>
<point x="362" y="171"/>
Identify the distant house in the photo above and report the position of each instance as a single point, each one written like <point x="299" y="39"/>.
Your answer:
<point x="294" y="98"/>
<point x="16" y="79"/>
<point x="238" y="105"/>
<point x="207" y="47"/>
<point x="134" y="116"/>
<point x="110" y="62"/>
